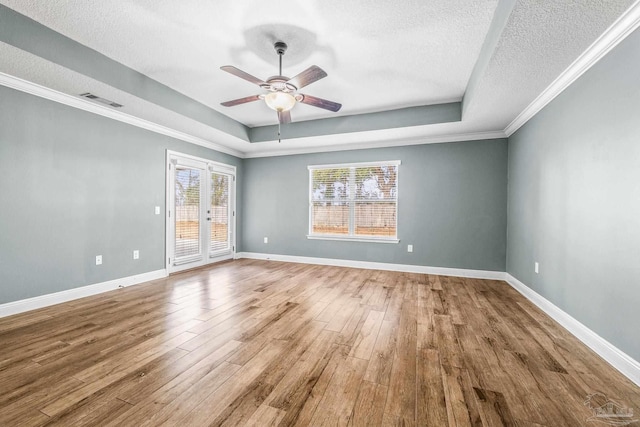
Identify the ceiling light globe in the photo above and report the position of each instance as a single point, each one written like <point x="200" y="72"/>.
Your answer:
<point x="280" y="101"/>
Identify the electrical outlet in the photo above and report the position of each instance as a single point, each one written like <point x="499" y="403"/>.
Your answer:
<point x="157" y="210"/>
<point x="266" y="240"/>
<point x="536" y="267"/>
<point x="136" y="254"/>
<point x="409" y="248"/>
<point x="98" y="259"/>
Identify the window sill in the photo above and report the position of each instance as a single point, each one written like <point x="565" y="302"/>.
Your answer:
<point x="353" y="238"/>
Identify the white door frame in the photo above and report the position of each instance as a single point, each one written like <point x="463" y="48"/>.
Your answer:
<point x="211" y="166"/>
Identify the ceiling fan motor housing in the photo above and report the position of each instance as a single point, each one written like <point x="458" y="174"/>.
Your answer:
<point x="279" y="84"/>
<point x="280" y="47"/>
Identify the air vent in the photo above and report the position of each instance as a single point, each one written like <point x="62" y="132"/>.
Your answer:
<point x="100" y="100"/>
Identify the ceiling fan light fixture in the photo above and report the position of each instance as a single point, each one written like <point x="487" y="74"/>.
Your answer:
<point x="282" y="93"/>
<point x="280" y="101"/>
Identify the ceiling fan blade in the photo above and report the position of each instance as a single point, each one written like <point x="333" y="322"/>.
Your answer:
<point x="284" y="117"/>
<point x="240" y="101"/>
<point x="320" y="103"/>
<point x="308" y="76"/>
<point x="238" y="72"/>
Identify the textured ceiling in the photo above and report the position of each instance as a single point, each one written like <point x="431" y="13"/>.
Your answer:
<point x="379" y="57"/>
<point x="541" y="39"/>
<point x="368" y="52"/>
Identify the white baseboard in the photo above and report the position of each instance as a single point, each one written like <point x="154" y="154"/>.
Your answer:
<point x="440" y="271"/>
<point x="628" y="366"/>
<point x="21" y="306"/>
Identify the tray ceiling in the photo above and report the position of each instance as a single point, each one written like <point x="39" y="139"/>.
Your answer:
<point x="494" y="57"/>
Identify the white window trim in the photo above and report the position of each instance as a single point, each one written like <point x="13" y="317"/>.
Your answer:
<point x="340" y="237"/>
<point x="351" y="238"/>
<point x="354" y="165"/>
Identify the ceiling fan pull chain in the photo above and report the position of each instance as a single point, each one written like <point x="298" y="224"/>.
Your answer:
<point x="279" y="130"/>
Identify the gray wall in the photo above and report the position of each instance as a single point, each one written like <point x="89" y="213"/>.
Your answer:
<point x="574" y="199"/>
<point x="452" y="206"/>
<point x="75" y="185"/>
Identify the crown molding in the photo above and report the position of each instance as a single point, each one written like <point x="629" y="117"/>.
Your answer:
<point x="396" y="142"/>
<point x="628" y="22"/>
<point x="82" y="104"/>
<point x="79" y="103"/>
<point x="617" y="32"/>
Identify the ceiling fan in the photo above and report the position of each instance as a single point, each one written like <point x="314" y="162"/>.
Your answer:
<point x="282" y="92"/>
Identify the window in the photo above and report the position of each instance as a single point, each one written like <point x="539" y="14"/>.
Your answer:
<point x="354" y="201"/>
<point x="187" y="212"/>
<point x="219" y="213"/>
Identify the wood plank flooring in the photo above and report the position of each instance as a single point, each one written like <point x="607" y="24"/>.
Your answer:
<point x="264" y="343"/>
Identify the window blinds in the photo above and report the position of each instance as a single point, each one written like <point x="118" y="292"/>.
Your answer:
<point x="187" y="209"/>
<point x="357" y="200"/>
<point x="219" y="213"/>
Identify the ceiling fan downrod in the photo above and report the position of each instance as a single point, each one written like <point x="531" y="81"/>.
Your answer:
<point x="281" y="48"/>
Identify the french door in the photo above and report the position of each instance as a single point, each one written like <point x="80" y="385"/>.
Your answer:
<point x="200" y="211"/>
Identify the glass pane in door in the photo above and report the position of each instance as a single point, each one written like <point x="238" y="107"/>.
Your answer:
<point x="187" y="211"/>
<point x="219" y="213"/>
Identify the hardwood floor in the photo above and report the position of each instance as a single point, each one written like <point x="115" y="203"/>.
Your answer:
<point x="266" y="343"/>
